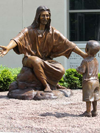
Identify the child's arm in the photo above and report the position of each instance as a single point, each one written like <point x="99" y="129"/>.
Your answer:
<point x="82" y="68"/>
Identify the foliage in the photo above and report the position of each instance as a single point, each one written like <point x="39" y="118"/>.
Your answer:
<point x="14" y="72"/>
<point x="5" y="79"/>
<point x="7" y="76"/>
<point x="99" y="77"/>
<point x="72" y="79"/>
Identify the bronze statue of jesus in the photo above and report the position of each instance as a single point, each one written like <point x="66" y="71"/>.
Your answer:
<point x="40" y="43"/>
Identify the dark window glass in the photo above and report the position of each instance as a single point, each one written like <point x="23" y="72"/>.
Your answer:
<point x="84" y="4"/>
<point x="84" y="26"/>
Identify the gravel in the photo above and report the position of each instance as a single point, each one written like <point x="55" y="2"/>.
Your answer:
<point x="47" y="116"/>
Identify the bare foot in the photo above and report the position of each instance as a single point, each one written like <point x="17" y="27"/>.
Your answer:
<point x="86" y="114"/>
<point x="94" y="113"/>
<point x="60" y="87"/>
<point x="47" y="89"/>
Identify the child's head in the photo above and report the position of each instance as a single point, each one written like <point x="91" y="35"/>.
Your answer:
<point x="92" y="47"/>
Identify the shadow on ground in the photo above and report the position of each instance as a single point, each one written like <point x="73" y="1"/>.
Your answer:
<point x="3" y="97"/>
<point x="59" y="115"/>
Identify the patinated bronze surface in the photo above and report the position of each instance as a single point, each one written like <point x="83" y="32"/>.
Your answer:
<point x="90" y="83"/>
<point x="40" y="43"/>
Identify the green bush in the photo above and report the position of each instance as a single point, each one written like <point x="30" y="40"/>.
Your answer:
<point x="5" y="79"/>
<point x="7" y="76"/>
<point x="72" y="79"/>
<point x="99" y="77"/>
<point x="14" y="72"/>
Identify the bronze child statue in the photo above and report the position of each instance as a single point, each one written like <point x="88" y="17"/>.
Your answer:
<point x="90" y="82"/>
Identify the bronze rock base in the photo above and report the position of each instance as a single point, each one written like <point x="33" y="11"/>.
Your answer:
<point x="29" y="94"/>
<point x="28" y="87"/>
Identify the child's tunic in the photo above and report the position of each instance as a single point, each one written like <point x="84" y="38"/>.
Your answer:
<point x="90" y="82"/>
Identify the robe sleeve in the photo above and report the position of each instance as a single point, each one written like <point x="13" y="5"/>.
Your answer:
<point x="23" y="43"/>
<point x="61" y="45"/>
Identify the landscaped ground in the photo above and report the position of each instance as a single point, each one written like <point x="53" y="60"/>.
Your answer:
<point x="46" y="116"/>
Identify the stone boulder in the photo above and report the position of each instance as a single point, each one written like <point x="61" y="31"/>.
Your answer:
<point x="27" y="87"/>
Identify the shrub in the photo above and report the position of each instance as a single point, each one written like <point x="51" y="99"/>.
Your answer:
<point x="99" y="77"/>
<point x="72" y="79"/>
<point x="14" y="72"/>
<point x="5" y="79"/>
<point x="7" y="76"/>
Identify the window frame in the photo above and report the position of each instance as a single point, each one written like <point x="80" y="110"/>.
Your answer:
<point x="78" y="11"/>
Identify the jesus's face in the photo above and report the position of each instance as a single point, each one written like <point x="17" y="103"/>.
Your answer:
<point x="44" y="17"/>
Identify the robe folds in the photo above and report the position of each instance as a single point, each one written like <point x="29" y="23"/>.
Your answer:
<point x="46" y="46"/>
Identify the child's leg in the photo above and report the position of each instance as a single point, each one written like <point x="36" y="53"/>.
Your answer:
<point x="94" y="106"/>
<point x="94" y="112"/>
<point x="88" y="107"/>
<point x="88" y="110"/>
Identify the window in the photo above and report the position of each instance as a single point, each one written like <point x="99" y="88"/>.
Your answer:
<point x="84" y="20"/>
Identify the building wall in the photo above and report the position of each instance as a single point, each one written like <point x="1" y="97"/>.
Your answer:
<point x="10" y="25"/>
<point x="17" y="14"/>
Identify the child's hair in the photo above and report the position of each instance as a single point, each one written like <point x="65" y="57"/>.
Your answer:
<point x="92" y="47"/>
